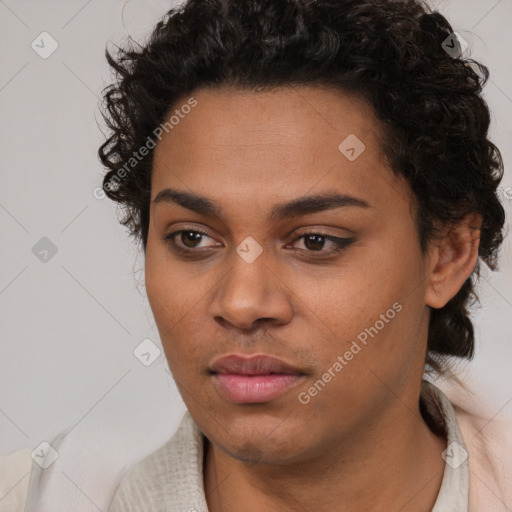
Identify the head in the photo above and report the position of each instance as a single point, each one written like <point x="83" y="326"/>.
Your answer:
<point x="328" y="166"/>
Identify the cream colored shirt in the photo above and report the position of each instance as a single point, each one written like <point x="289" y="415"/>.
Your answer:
<point x="171" y="478"/>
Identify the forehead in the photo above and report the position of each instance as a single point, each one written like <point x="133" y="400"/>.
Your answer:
<point x="286" y="117"/>
<point x="273" y="145"/>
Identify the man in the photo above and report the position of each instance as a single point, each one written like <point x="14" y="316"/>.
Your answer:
<point x="312" y="186"/>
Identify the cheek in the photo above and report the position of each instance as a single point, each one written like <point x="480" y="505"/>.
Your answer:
<point x="177" y="299"/>
<point x="168" y="299"/>
<point x="363" y="287"/>
<point x="371" y="308"/>
<point x="166" y="285"/>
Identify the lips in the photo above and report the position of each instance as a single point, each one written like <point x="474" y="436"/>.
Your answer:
<point x="257" y="379"/>
<point x="256" y="365"/>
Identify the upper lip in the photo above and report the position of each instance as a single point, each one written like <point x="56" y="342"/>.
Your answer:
<point x="255" y="365"/>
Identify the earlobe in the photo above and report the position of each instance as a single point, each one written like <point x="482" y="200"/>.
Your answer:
<point x="452" y="261"/>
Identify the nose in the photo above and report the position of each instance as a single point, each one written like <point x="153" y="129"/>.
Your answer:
<point x="251" y="293"/>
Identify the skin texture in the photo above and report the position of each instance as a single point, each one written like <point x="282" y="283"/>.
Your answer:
<point x="360" y="443"/>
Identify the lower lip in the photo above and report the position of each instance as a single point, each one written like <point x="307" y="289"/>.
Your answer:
<point x="252" y="389"/>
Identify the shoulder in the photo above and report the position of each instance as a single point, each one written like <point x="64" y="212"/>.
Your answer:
<point x="488" y="440"/>
<point x="15" y="471"/>
<point x="166" y="479"/>
<point x="489" y="446"/>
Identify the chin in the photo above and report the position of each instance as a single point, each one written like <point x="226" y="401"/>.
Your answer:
<point x="251" y="451"/>
<point x="261" y="440"/>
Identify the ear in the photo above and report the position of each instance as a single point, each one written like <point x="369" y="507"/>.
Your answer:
<point x="452" y="260"/>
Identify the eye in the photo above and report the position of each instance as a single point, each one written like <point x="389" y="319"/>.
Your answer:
<point x="315" y="242"/>
<point x="188" y="240"/>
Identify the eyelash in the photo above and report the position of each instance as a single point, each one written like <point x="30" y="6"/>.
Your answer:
<point x="341" y="243"/>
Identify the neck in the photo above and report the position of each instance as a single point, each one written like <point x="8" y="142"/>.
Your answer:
<point x="394" y="465"/>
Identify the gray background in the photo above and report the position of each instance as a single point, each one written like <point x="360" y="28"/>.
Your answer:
<point x="69" y="325"/>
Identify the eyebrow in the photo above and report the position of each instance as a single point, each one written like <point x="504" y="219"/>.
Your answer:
<point x="301" y="206"/>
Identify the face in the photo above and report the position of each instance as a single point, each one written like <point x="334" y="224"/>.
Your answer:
<point x="274" y="231"/>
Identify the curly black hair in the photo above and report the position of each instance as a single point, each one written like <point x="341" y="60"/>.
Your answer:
<point x="399" y="55"/>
